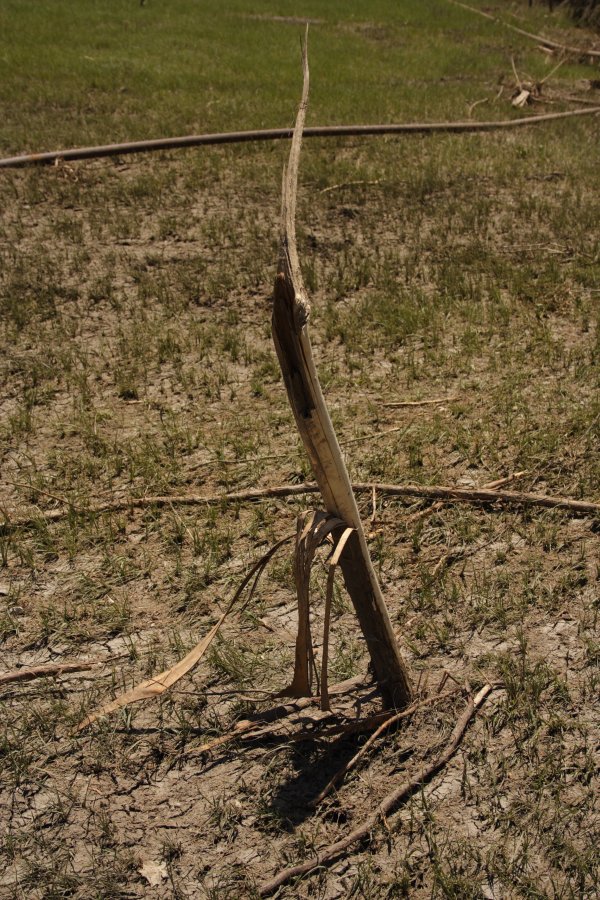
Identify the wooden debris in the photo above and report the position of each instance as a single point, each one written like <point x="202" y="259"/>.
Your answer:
<point x="485" y="495"/>
<point x="363" y="832"/>
<point x="274" y="134"/>
<point x="490" y="486"/>
<point x="400" y="404"/>
<point x="386" y="723"/>
<point x="522" y="99"/>
<point x="291" y="312"/>
<point x="580" y="52"/>
<point x="48" y="670"/>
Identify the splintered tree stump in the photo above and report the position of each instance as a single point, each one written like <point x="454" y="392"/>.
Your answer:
<point x="291" y="312"/>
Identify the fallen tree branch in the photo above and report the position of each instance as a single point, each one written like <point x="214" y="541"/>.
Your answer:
<point x="481" y="495"/>
<point x="427" y="492"/>
<point x="489" y="486"/>
<point x="574" y="99"/>
<point x="362" y="832"/>
<point x="277" y="134"/>
<point x="48" y="670"/>
<point x="539" y="38"/>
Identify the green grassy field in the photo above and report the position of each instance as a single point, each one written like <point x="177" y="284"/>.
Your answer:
<point x="94" y="72"/>
<point x="137" y="361"/>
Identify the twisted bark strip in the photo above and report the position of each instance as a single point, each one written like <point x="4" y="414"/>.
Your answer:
<point x="291" y="311"/>
<point x="333" y="564"/>
<point x="313" y="528"/>
<point x="363" y="832"/>
<point x="278" y="134"/>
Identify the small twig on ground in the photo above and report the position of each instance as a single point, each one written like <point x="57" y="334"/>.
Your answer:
<point x="362" y="832"/>
<point x="445" y="676"/>
<point x="499" y="482"/>
<point x="38" y="490"/>
<point x="373" y="518"/>
<point x="475" y="104"/>
<point x="515" y="73"/>
<point x="398" y="404"/>
<point x="48" y="670"/>
<point x="573" y="98"/>
<point x="387" y="723"/>
<point x="554" y="45"/>
<point x="553" y="71"/>
<point x="336" y="187"/>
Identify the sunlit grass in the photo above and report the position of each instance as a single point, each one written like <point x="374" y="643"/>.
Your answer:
<point x="136" y="360"/>
<point x="72" y="74"/>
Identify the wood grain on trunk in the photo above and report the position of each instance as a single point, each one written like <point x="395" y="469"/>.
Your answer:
<point x="290" y="333"/>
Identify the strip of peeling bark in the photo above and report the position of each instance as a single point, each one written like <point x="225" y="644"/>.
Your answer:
<point x="290" y="334"/>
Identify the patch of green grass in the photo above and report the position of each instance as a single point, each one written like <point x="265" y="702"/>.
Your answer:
<point x="194" y="67"/>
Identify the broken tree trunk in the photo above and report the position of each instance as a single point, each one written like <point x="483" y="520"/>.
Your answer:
<point x="290" y="334"/>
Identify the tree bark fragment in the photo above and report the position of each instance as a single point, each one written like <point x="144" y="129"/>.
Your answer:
<point x="290" y="334"/>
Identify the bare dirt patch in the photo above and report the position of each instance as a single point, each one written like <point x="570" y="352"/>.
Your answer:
<point x="130" y="368"/>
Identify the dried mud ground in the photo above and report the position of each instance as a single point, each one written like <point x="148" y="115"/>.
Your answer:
<point x="137" y="361"/>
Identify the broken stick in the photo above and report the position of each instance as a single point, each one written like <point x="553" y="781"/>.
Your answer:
<point x="290" y="334"/>
<point x="47" y="670"/>
<point x="362" y="833"/>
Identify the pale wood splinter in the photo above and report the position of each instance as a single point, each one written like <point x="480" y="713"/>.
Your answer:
<point x="291" y="312"/>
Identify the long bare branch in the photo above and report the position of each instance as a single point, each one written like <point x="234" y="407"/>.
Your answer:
<point x="485" y="496"/>
<point x="580" y="52"/>
<point x="278" y="134"/>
